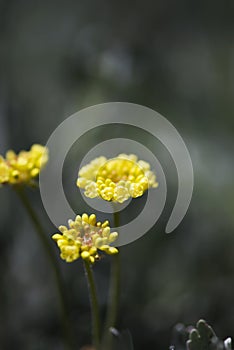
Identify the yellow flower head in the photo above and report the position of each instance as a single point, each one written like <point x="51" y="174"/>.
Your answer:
<point x="85" y="238"/>
<point x="22" y="168"/>
<point x="116" y="179"/>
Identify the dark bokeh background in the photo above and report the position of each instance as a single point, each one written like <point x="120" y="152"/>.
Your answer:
<point x="57" y="57"/>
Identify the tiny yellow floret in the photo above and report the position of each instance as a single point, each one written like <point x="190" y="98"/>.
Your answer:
<point x="24" y="167"/>
<point x="84" y="238"/>
<point x="116" y="179"/>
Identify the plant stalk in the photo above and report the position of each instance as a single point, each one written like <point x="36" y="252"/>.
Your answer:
<point x="94" y="305"/>
<point x="54" y="265"/>
<point x="114" y="293"/>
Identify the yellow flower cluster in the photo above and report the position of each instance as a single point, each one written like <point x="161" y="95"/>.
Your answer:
<point x="23" y="167"/>
<point x="84" y="238"/>
<point x="116" y="179"/>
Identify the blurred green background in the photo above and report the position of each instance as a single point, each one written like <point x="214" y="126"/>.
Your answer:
<point x="57" y="57"/>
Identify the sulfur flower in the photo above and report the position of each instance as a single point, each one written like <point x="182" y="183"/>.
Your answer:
<point x="116" y="179"/>
<point x="84" y="238"/>
<point x="24" y="167"/>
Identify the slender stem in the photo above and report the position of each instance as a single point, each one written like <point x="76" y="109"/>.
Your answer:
<point x="114" y="294"/>
<point x="53" y="261"/>
<point x="93" y="304"/>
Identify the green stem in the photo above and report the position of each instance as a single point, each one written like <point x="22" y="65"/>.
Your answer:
<point x="93" y="304"/>
<point x="54" y="264"/>
<point x="113" y="295"/>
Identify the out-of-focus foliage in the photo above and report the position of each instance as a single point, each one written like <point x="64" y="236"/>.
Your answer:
<point x="200" y="338"/>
